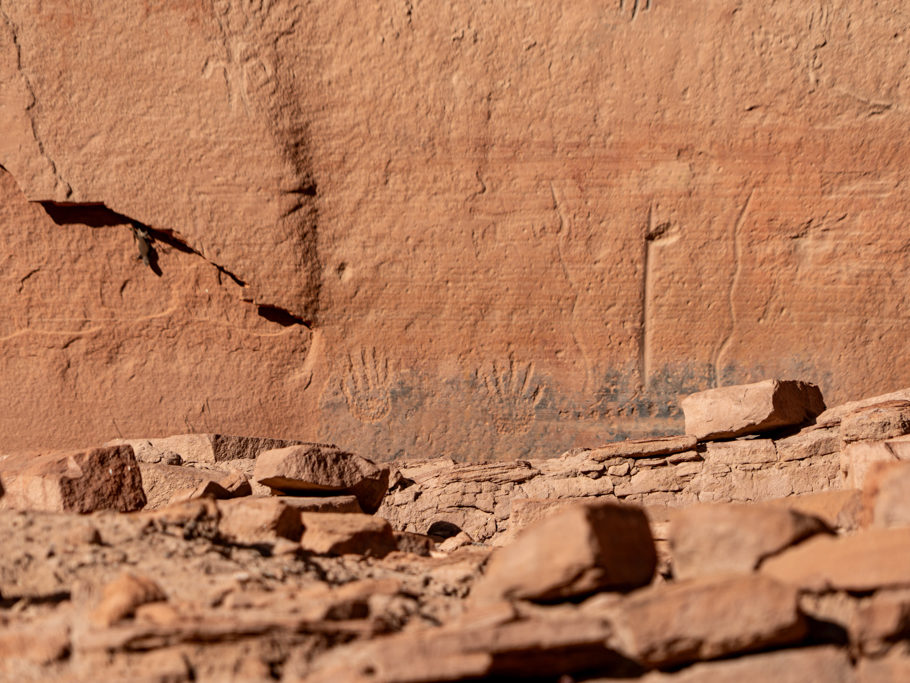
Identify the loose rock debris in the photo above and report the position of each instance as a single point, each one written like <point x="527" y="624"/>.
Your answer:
<point x="783" y="554"/>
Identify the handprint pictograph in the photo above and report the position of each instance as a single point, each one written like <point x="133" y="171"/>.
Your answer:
<point x="367" y="385"/>
<point x="631" y="8"/>
<point x="513" y="394"/>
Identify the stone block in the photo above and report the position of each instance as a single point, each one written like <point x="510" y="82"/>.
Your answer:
<point x="105" y="478"/>
<point x="312" y="468"/>
<point x="252" y="521"/>
<point x="327" y="533"/>
<point x="727" y="412"/>
<point x="711" y="539"/>
<point x="707" y="618"/>
<point x="575" y="551"/>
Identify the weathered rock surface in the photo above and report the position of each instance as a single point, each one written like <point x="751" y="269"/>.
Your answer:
<point x="786" y="666"/>
<point x="122" y="596"/>
<point x="880" y="620"/>
<point x="706" y="619"/>
<point x="890" y="669"/>
<point x="576" y="551"/>
<point x="255" y="588"/>
<point x="710" y="539"/>
<point x="322" y="503"/>
<point x="491" y="501"/>
<point x="732" y="411"/>
<point x="162" y="482"/>
<point x="97" y="479"/>
<point x="840" y="510"/>
<point x="644" y="448"/>
<point x="741" y="452"/>
<point x="857" y="459"/>
<point x="866" y="561"/>
<point x="418" y="177"/>
<point x="328" y="533"/>
<point x="886" y="498"/>
<point x="258" y="520"/>
<point x="877" y="422"/>
<point x="808" y="443"/>
<point x="495" y="643"/>
<point x="314" y="468"/>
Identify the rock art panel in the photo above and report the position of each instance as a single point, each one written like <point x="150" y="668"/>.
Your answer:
<point x="480" y="231"/>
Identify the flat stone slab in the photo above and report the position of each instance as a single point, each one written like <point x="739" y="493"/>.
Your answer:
<point x="314" y="468"/>
<point x="104" y="478"/>
<point x="866" y="561"/>
<point x="322" y="503"/>
<point x="728" y="412"/>
<point x="644" y="448"/>
<point x="716" y="538"/>
<point x="707" y="618"/>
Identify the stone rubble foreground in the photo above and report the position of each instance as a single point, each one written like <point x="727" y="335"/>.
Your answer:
<point x="781" y="554"/>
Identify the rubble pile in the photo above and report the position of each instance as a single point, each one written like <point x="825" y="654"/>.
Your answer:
<point x="771" y="542"/>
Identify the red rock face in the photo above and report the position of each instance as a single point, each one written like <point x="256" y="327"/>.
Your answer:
<point x="424" y="230"/>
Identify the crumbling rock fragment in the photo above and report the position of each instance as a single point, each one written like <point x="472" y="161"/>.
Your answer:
<point x="876" y="422"/>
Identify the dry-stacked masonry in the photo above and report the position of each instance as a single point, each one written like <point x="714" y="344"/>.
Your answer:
<point x="772" y="541"/>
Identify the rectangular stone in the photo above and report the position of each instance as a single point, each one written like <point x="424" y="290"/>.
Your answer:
<point x="575" y="551"/>
<point x="104" y="478"/>
<point x="808" y="443"/>
<point x="707" y="618"/>
<point x="866" y="561"/>
<point x="877" y="422"/>
<point x="727" y="412"/>
<point x="322" y="503"/>
<point x="644" y="448"/>
<point x="741" y="451"/>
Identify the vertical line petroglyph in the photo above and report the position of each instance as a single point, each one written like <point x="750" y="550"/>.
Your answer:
<point x="736" y="239"/>
<point x="643" y="335"/>
<point x="563" y="233"/>
<point x="656" y="235"/>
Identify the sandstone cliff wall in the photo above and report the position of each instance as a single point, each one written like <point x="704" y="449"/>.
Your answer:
<point x="479" y="230"/>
